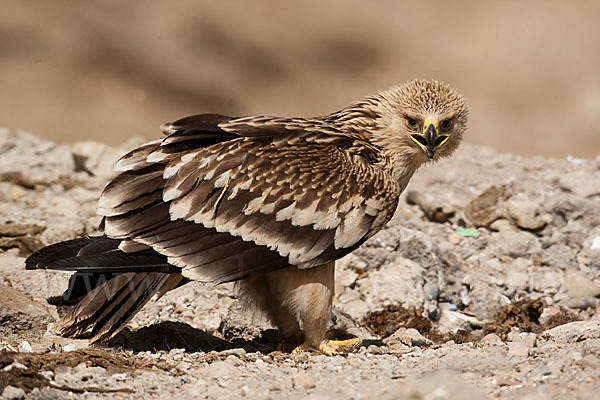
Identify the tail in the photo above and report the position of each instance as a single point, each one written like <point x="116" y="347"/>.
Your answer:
<point x="112" y="281"/>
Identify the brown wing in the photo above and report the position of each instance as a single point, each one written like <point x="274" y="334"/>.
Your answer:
<point x="225" y="199"/>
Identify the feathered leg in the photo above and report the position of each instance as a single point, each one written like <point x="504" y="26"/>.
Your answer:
<point x="307" y="294"/>
<point x="256" y="295"/>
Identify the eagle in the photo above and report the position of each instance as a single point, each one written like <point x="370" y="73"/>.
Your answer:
<point x="269" y="203"/>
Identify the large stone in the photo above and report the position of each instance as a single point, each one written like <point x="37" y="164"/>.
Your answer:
<point x="408" y="337"/>
<point x="573" y="331"/>
<point x="434" y="209"/>
<point x="19" y="314"/>
<point x="514" y="244"/>
<point x="579" y="284"/>
<point x="559" y="255"/>
<point x="488" y="206"/>
<point x="581" y="183"/>
<point x="398" y="283"/>
<point x="28" y="160"/>
<point x="526" y="213"/>
<point x="13" y="393"/>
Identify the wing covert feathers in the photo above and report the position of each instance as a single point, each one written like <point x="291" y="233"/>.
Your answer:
<point x="227" y="198"/>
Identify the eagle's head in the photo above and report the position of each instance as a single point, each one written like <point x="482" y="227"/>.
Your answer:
<point x="417" y="122"/>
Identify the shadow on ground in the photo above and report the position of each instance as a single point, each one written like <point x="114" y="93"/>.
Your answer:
<point x="177" y="335"/>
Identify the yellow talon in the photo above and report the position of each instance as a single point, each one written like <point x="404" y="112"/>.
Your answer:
<point x="331" y="347"/>
<point x="303" y="347"/>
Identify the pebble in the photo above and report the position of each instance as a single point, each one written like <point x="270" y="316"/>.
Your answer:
<point x="393" y="283"/>
<point x="430" y="290"/>
<point x="560" y="256"/>
<point x="518" y="280"/>
<point x="581" y="184"/>
<point x="219" y="370"/>
<point x="234" y="360"/>
<point x="528" y="338"/>
<point x="75" y="346"/>
<point x="175" y="355"/>
<point x="525" y="213"/>
<point x="25" y="347"/>
<point x="252" y="356"/>
<point x="13" y="393"/>
<point x="503" y="225"/>
<point x="15" y="364"/>
<point x="595" y="243"/>
<point x="373" y="349"/>
<point x="579" y="284"/>
<point x="518" y="349"/>
<point x="245" y="391"/>
<point x="580" y="303"/>
<point x="303" y="381"/>
<point x="514" y="244"/>
<point x="548" y="313"/>
<point x="572" y="331"/>
<point x="47" y="374"/>
<point x="453" y="321"/>
<point x="237" y="352"/>
<point x="592" y="347"/>
<point x="409" y="337"/>
<point x="508" y="381"/>
<point x="591" y="362"/>
<point x="491" y="338"/>
<point x="454" y="238"/>
<point x="541" y="371"/>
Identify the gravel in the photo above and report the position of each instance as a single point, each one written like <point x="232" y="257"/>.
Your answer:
<point x="510" y="311"/>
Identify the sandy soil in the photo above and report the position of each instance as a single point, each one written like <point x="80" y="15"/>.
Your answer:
<point x="107" y="70"/>
<point x="485" y="285"/>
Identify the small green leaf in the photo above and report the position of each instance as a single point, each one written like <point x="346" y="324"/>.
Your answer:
<point x="468" y="232"/>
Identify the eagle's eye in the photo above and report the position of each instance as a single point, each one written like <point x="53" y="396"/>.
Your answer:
<point x="412" y="123"/>
<point x="446" y="125"/>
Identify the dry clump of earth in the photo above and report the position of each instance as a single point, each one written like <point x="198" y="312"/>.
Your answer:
<point x="485" y="285"/>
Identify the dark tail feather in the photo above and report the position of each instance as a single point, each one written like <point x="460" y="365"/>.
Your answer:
<point x="49" y="254"/>
<point x="109" y="286"/>
<point x="113" y="303"/>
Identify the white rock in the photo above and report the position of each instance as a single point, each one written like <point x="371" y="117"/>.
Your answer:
<point x="527" y="338"/>
<point x="525" y="213"/>
<point x="518" y="280"/>
<point x="453" y="321"/>
<point x="580" y="285"/>
<point x="491" y="338"/>
<point x="518" y="349"/>
<point x="409" y="337"/>
<point x="396" y="283"/>
<point x="15" y="364"/>
<point x="81" y="344"/>
<point x="573" y="331"/>
<point x="13" y="393"/>
<point x="304" y="381"/>
<point x="514" y="244"/>
<point x="25" y="347"/>
<point x="595" y="243"/>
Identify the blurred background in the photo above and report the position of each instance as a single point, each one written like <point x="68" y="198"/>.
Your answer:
<point x="108" y="70"/>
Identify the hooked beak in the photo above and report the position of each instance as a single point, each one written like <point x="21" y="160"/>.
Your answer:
<point x="429" y="140"/>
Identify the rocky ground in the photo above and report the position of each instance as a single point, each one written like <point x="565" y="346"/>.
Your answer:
<point x="485" y="285"/>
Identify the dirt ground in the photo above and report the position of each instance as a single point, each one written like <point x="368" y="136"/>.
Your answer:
<point x="484" y="285"/>
<point x="105" y="70"/>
